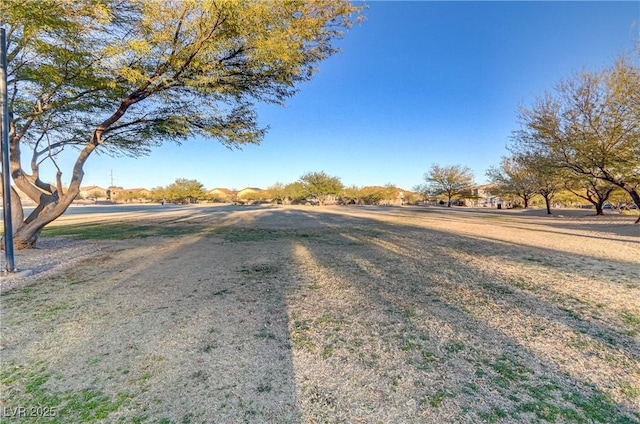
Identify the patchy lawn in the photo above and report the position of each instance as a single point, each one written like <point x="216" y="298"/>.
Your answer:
<point x="285" y="314"/>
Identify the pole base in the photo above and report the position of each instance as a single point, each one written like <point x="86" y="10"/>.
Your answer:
<point x="18" y="273"/>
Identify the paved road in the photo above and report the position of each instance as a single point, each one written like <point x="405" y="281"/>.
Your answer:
<point x="141" y="208"/>
<point x="105" y="209"/>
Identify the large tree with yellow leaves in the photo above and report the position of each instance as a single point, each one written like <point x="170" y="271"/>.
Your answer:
<point x="125" y="76"/>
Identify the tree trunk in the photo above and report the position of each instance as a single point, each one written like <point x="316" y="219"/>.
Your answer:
<point x="598" y="204"/>
<point x="547" y="201"/>
<point x="636" y="199"/>
<point x="49" y="208"/>
<point x="599" y="209"/>
<point x="17" y="213"/>
<point x="26" y="236"/>
<point x="626" y="187"/>
<point x="632" y="192"/>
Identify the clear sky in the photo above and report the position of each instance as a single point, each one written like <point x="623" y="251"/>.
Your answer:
<point x="417" y="83"/>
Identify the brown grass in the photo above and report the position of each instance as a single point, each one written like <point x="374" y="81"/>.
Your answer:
<point x="393" y="315"/>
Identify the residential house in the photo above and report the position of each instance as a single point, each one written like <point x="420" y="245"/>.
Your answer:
<point x="482" y="197"/>
<point x="94" y="193"/>
<point x="221" y="195"/>
<point x="252" y="194"/>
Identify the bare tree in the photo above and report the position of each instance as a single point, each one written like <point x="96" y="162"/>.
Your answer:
<point x="448" y="180"/>
<point x="512" y="178"/>
<point x="590" y="126"/>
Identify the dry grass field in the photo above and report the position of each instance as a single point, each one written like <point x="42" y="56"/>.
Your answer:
<point x="330" y="315"/>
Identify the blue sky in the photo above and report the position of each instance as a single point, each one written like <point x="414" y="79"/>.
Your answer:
<point x="417" y="83"/>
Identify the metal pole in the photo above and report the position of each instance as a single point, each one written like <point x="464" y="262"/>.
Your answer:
<point x="6" y="168"/>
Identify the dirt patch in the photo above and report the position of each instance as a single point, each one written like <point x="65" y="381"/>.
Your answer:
<point x="335" y="315"/>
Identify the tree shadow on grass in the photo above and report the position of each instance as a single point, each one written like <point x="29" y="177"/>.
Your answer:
<point x="173" y="330"/>
<point x="287" y="315"/>
<point x="442" y="315"/>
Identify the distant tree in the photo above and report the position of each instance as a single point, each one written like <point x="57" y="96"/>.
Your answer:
<point x="410" y="197"/>
<point x="277" y="193"/>
<point x="255" y="196"/>
<point x="184" y="190"/>
<point x="295" y="192"/>
<point x="223" y="196"/>
<point x="374" y="195"/>
<point x="320" y="186"/>
<point x="131" y="196"/>
<point x="124" y="196"/>
<point x="233" y="196"/>
<point x="390" y="193"/>
<point x="422" y="191"/>
<point x="512" y="178"/>
<point x="123" y="76"/>
<point x="352" y="195"/>
<point x="590" y="126"/>
<point x="449" y="181"/>
<point x="545" y="175"/>
<point x="95" y="195"/>
<point x="371" y="195"/>
<point x="158" y="194"/>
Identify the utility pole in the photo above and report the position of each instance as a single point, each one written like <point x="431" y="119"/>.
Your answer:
<point x="6" y="168"/>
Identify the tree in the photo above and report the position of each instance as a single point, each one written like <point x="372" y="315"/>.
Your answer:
<point x="129" y="196"/>
<point x="158" y="194"/>
<point x="371" y="195"/>
<point x="590" y="126"/>
<point x="512" y="178"/>
<point x="390" y="193"/>
<point x="277" y="193"/>
<point x="410" y="197"/>
<point x="352" y="195"/>
<point x="320" y="186"/>
<point x="375" y="195"/>
<point x="423" y="191"/>
<point x="544" y="175"/>
<point x="448" y="180"/>
<point x="220" y="195"/>
<point x="95" y="195"/>
<point x="295" y="192"/>
<point x="184" y="191"/>
<point x="253" y="197"/>
<point x="121" y="77"/>
<point x="591" y="189"/>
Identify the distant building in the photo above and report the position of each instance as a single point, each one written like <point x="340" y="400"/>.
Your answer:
<point x="221" y="195"/>
<point x="252" y="195"/>
<point x="250" y="191"/>
<point x="93" y="192"/>
<point x="247" y="194"/>
<point x="482" y="196"/>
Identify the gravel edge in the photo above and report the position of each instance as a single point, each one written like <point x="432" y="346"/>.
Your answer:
<point x="52" y="255"/>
